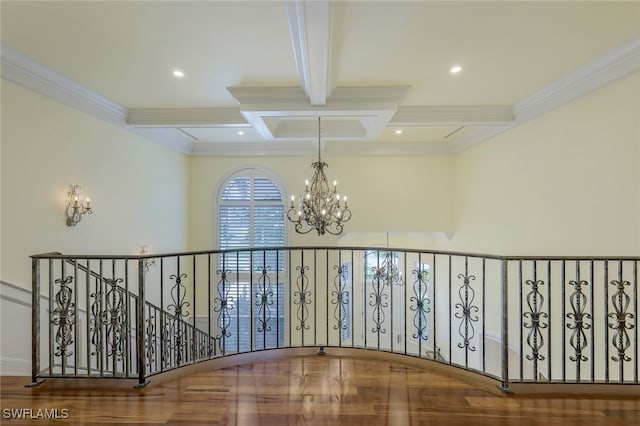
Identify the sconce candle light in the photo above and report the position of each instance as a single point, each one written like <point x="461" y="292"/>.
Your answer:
<point x="75" y="207"/>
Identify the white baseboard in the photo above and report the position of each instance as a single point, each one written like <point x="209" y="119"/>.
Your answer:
<point x="15" y="366"/>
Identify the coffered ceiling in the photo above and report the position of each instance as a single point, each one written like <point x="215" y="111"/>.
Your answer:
<point x="258" y="74"/>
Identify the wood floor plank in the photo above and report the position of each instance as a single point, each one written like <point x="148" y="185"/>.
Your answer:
<point x="315" y="390"/>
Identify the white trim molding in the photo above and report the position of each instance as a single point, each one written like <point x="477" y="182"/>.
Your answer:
<point x="354" y="116"/>
<point x="618" y="62"/>
<point x="22" y="70"/>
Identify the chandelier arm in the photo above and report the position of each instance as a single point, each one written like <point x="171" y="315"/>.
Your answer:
<point x="299" y="230"/>
<point x="339" y="229"/>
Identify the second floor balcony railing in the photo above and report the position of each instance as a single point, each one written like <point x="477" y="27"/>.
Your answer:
<point x="514" y="319"/>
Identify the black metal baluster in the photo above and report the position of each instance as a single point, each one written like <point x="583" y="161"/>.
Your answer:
<point x="450" y="309"/>
<point x="564" y="321"/>
<point x="621" y="340"/>
<point x="278" y="286"/>
<point x="315" y="292"/>
<point x="505" y="325"/>
<point x="484" y="320"/>
<point x="578" y="339"/>
<point x="76" y="352"/>
<point x="238" y="304"/>
<point x="404" y="302"/>
<point x="35" y="321"/>
<point x="593" y="340"/>
<point x="635" y="320"/>
<point x="160" y="317"/>
<point x="606" y="313"/>
<point x="549" y="326"/>
<point x="391" y="283"/>
<point x="289" y="317"/>
<point x="142" y="373"/>
<point x="88" y="316"/>
<point x="209" y="301"/>
<point x="520" y="317"/>
<point x="352" y="300"/>
<point x="420" y="306"/>
<point x="535" y="338"/>
<point x="466" y="314"/>
<point x="252" y="324"/>
<point x="436" y="351"/>
<point x="303" y="298"/>
<point x="327" y="299"/>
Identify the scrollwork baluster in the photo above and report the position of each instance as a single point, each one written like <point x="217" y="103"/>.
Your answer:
<point x="620" y="340"/>
<point x="114" y="318"/>
<point x="340" y="298"/>
<point x="225" y="303"/>
<point x="302" y="298"/>
<point x="421" y="304"/>
<point x="264" y="300"/>
<point x="177" y="336"/>
<point x="535" y="339"/>
<point x="378" y="299"/>
<point x="64" y="316"/>
<point x="467" y="311"/>
<point x="578" y="340"/>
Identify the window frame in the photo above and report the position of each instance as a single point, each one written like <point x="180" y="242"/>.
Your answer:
<point x="250" y="277"/>
<point x="246" y="171"/>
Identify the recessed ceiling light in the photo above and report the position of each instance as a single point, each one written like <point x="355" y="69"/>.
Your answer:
<point x="398" y="131"/>
<point x="178" y="73"/>
<point x="455" y="69"/>
<point x="240" y="132"/>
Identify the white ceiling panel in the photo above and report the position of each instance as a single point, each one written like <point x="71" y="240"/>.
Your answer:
<point x="367" y="67"/>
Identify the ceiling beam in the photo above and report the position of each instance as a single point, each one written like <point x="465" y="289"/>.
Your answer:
<point x="186" y="117"/>
<point x="310" y="27"/>
<point x="452" y="114"/>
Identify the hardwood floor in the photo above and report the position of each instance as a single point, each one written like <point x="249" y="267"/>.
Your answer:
<point x="313" y="390"/>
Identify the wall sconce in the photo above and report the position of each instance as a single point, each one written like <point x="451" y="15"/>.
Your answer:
<point x="75" y="207"/>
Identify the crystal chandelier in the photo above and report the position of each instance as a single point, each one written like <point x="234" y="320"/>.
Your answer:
<point x="321" y="207"/>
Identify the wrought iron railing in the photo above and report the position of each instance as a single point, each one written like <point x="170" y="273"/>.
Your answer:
<point x="514" y="319"/>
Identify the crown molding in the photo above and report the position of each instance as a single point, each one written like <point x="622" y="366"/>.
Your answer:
<point x="610" y="66"/>
<point x="26" y="72"/>
<point x="614" y="64"/>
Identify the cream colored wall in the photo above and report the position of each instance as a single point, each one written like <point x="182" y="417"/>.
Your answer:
<point x="138" y="188"/>
<point x="566" y="183"/>
<point x="396" y="194"/>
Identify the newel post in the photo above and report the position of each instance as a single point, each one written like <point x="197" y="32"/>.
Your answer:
<point x="35" y="322"/>
<point x="504" y="298"/>
<point x="140" y="358"/>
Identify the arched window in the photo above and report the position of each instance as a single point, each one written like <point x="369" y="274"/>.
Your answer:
<point x="251" y="214"/>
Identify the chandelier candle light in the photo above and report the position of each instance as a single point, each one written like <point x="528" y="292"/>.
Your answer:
<point x="321" y="207"/>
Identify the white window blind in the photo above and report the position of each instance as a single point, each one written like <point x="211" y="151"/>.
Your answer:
<point x="251" y="215"/>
